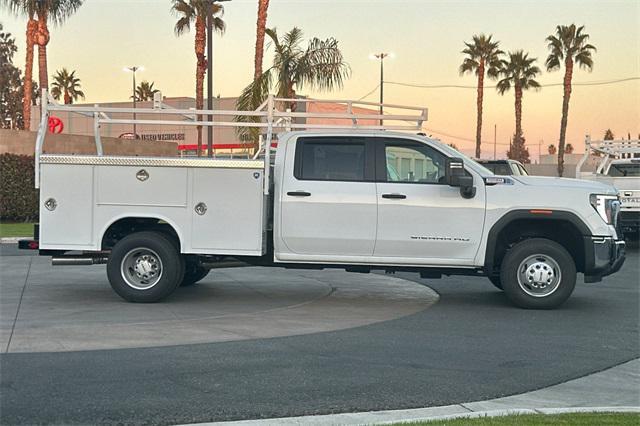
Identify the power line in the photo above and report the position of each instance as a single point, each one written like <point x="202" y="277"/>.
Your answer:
<point x="460" y="86"/>
<point x="369" y="93"/>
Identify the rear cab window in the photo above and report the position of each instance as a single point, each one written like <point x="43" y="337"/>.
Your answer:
<point x="334" y="158"/>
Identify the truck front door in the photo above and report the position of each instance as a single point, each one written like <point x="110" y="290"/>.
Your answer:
<point x="421" y="219"/>
<point x="327" y="199"/>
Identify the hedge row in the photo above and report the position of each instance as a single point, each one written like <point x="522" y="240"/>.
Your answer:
<point x="18" y="197"/>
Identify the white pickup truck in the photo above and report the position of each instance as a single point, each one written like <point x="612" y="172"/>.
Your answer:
<point x="619" y="167"/>
<point x="353" y="196"/>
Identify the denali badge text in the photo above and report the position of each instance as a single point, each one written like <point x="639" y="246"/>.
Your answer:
<point x="440" y="238"/>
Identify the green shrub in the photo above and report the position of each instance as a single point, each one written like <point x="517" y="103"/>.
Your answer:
<point x="18" y="197"/>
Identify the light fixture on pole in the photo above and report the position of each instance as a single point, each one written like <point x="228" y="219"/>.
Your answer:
<point x="133" y="70"/>
<point x="381" y="56"/>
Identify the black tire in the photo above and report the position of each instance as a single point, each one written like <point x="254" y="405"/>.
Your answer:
<point x="193" y="273"/>
<point x="141" y="283"/>
<point x="495" y="280"/>
<point x="547" y="274"/>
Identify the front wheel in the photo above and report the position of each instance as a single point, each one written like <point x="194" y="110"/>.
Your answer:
<point x="538" y="274"/>
<point x="145" y="267"/>
<point x="495" y="280"/>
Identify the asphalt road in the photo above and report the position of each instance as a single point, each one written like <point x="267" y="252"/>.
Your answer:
<point x="471" y="345"/>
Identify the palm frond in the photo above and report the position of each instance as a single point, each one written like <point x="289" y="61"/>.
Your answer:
<point x="251" y="98"/>
<point x="57" y="11"/>
<point x="322" y="66"/>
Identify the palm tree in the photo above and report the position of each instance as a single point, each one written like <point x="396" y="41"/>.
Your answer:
<point x="483" y="56"/>
<point x="569" y="46"/>
<point x="263" y="6"/>
<point x="608" y="135"/>
<point x="45" y="11"/>
<point x="320" y="67"/>
<point x="66" y="85"/>
<point x="145" y="91"/>
<point x="568" y="149"/>
<point x="196" y="12"/>
<point x="520" y="72"/>
<point x="28" y="9"/>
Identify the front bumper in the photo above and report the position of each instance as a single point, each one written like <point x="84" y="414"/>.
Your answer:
<point x="603" y="256"/>
<point x="629" y="221"/>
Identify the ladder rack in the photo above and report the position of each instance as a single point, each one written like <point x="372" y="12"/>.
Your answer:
<point x="269" y="117"/>
<point x="609" y="150"/>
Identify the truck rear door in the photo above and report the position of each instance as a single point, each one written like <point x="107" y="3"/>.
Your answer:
<point x="327" y="199"/>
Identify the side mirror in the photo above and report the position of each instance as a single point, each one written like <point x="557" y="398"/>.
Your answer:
<point x="455" y="175"/>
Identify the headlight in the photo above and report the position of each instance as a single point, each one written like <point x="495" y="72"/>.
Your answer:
<point x="607" y="207"/>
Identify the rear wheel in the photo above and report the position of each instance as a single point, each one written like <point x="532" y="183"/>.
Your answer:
<point x="145" y="267"/>
<point x="193" y="273"/>
<point x="538" y="274"/>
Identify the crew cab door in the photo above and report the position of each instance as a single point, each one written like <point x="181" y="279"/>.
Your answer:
<point x="327" y="199"/>
<point x="421" y="218"/>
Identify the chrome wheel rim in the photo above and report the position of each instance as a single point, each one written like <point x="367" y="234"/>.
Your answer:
<point x="539" y="275"/>
<point x="141" y="268"/>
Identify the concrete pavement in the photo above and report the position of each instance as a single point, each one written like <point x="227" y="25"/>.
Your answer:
<point x="45" y="309"/>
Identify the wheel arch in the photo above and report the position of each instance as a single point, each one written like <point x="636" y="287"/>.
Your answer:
<point x="125" y="224"/>
<point x="563" y="227"/>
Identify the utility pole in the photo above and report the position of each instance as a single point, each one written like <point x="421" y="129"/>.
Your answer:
<point x="495" y="132"/>
<point x="381" y="57"/>
<point x="540" y="149"/>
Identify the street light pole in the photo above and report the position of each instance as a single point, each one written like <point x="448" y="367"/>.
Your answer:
<point x="381" y="56"/>
<point x="133" y="70"/>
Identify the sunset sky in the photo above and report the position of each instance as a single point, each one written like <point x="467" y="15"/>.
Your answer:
<point x="425" y="36"/>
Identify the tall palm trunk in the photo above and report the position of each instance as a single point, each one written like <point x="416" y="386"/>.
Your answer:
<point x="32" y="28"/>
<point x="291" y="94"/>
<point x="67" y="98"/>
<point x="518" y="107"/>
<point x="201" y="67"/>
<point x="263" y="6"/>
<point x="42" y="39"/>
<point x="565" y="113"/>
<point x="479" y="107"/>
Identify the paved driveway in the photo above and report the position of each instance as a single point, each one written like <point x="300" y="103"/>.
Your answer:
<point x="471" y="345"/>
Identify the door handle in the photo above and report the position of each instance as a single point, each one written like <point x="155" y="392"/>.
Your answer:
<point x="394" y="196"/>
<point x="299" y="193"/>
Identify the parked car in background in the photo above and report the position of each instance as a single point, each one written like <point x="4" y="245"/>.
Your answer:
<point x="505" y="167"/>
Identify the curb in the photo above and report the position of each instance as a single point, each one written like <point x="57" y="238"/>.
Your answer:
<point x="12" y="240"/>
<point x="414" y="415"/>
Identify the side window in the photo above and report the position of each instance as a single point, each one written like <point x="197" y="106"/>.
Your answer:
<point x="413" y="163"/>
<point x="334" y="159"/>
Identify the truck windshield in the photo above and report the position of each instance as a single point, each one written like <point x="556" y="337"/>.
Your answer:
<point x="624" y="170"/>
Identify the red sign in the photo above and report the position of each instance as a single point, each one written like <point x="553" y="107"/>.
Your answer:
<point x="55" y="125"/>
